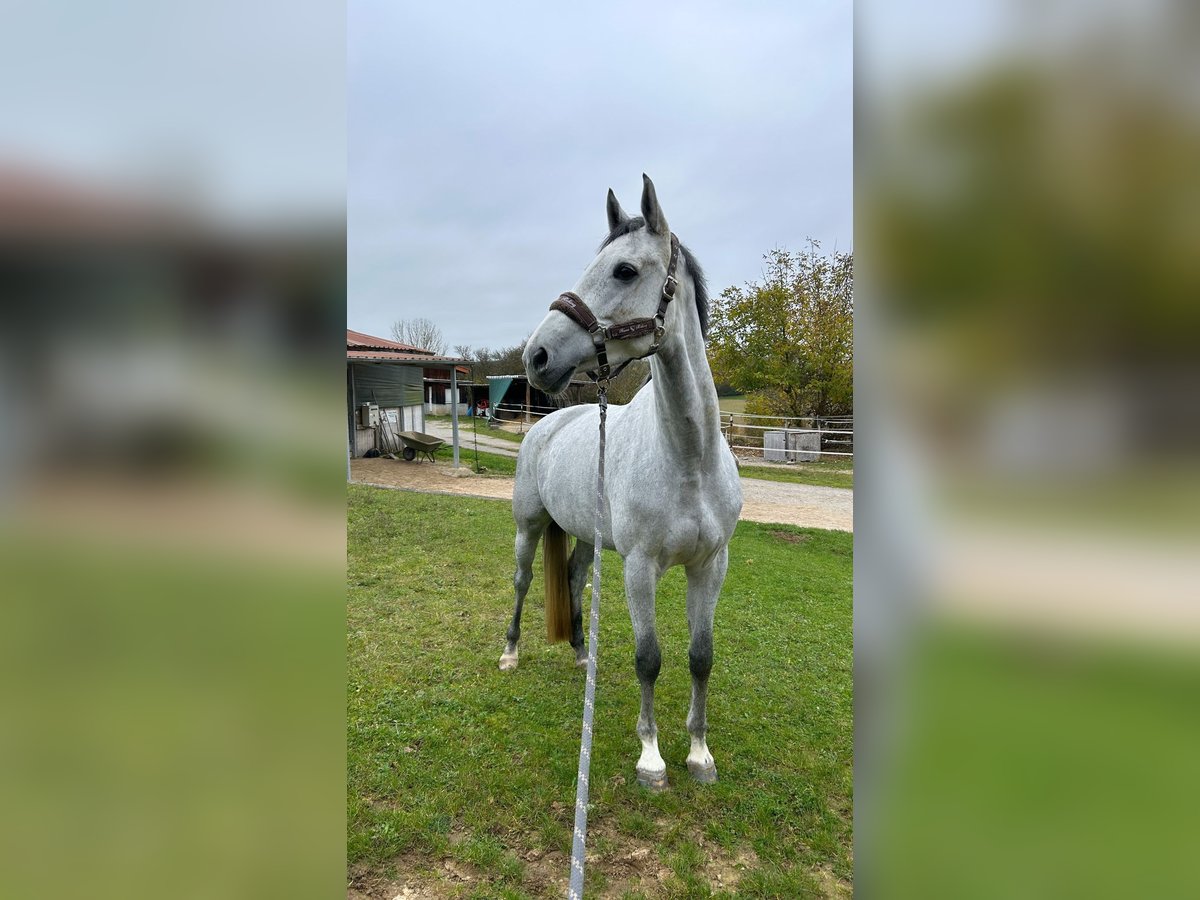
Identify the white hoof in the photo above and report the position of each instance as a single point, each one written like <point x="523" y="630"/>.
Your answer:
<point x="508" y="662"/>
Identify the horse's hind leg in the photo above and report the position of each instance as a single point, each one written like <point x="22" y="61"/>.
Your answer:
<point x="641" y="583"/>
<point x="581" y="558"/>
<point x="704" y="586"/>
<point x="528" y="535"/>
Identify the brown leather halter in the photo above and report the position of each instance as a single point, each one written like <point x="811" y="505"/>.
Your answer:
<point x="574" y="308"/>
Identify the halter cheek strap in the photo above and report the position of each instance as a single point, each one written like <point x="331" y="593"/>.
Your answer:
<point x="572" y="305"/>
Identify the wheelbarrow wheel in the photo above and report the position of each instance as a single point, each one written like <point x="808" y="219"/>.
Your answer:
<point x="410" y="454"/>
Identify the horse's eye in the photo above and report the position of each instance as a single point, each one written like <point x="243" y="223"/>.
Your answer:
<point x="624" y="272"/>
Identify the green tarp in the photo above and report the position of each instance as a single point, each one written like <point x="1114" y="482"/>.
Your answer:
<point x="498" y="386"/>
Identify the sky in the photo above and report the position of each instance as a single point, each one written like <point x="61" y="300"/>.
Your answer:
<point x="482" y="139"/>
<point x="236" y="105"/>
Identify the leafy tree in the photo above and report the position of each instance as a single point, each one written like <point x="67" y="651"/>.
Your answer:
<point x="789" y="341"/>
<point x="419" y="333"/>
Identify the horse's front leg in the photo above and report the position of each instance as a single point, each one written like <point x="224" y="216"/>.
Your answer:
<point x="641" y="583"/>
<point x="704" y="586"/>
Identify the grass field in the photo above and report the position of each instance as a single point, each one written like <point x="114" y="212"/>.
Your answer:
<point x="732" y="404"/>
<point x="492" y="463"/>
<point x="461" y="777"/>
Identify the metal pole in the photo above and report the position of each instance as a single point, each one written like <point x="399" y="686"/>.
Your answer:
<point x="454" y="410"/>
<point x="353" y="424"/>
<point x="527" y="401"/>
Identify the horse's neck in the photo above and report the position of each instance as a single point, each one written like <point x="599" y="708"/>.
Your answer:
<point x="687" y="415"/>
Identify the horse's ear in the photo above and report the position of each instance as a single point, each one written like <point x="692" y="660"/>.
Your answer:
<point x="651" y="211"/>
<point x="616" y="215"/>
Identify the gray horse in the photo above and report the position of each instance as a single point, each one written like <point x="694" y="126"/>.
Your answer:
<point x="671" y="484"/>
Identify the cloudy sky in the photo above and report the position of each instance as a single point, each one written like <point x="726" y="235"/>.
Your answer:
<point x="483" y="137"/>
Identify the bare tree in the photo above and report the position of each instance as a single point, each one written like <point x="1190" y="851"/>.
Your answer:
<point x="419" y="333"/>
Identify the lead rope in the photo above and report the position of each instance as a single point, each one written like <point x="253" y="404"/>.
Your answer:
<point x="575" y="891"/>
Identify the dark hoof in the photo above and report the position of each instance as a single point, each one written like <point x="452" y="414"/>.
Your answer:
<point x="703" y="774"/>
<point x="655" y="783"/>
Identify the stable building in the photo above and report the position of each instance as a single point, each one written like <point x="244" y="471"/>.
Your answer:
<point x="385" y="387"/>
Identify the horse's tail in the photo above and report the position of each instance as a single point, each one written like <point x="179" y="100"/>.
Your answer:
<point x="558" y="592"/>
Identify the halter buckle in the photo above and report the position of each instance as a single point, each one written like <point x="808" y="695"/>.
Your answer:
<point x="669" y="287"/>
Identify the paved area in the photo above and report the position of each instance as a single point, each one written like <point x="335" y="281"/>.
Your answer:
<point x="466" y="437"/>
<point x="764" y="501"/>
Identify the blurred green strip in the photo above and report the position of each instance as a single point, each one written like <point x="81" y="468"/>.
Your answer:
<point x="1037" y="770"/>
<point x="171" y="722"/>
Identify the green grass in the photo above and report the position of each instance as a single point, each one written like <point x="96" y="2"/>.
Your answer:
<point x="493" y="463"/>
<point x="466" y="426"/>
<point x="503" y="435"/>
<point x="450" y="758"/>
<point x="824" y="473"/>
<point x="1042" y="768"/>
<point x="735" y="404"/>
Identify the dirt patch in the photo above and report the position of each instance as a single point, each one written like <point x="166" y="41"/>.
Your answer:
<point x="763" y="501"/>
<point x="430" y="478"/>
<point x="419" y="879"/>
<point x="832" y="886"/>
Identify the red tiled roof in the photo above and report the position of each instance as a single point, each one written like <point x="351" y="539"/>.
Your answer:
<point x="357" y="340"/>
<point x="369" y="348"/>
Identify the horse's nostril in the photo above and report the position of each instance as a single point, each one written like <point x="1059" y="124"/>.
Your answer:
<point x="540" y="358"/>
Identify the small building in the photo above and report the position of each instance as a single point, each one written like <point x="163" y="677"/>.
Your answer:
<point x="385" y="388"/>
<point x="437" y="391"/>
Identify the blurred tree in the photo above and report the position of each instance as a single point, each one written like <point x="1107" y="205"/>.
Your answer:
<point x="419" y="333"/>
<point x="789" y="341"/>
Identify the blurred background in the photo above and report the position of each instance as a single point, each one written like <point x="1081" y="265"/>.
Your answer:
<point x="1027" y="609"/>
<point x="172" y="262"/>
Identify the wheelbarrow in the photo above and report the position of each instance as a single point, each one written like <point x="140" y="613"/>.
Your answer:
<point x="415" y="442"/>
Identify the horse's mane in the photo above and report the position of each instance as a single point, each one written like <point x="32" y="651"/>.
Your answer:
<point x="699" y="284"/>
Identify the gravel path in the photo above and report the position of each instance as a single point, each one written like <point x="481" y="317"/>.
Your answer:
<point x="764" y="501"/>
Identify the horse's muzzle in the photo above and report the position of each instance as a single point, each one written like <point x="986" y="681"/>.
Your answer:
<point x="544" y="372"/>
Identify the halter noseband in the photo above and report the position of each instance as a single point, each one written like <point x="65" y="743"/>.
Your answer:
<point x="576" y="310"/>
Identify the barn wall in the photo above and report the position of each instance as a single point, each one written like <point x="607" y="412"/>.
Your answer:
<point x="388" y="385"/>
<point x="403" y="418"/>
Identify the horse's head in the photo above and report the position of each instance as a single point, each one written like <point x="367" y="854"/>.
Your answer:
<point x="624" y="282"/>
